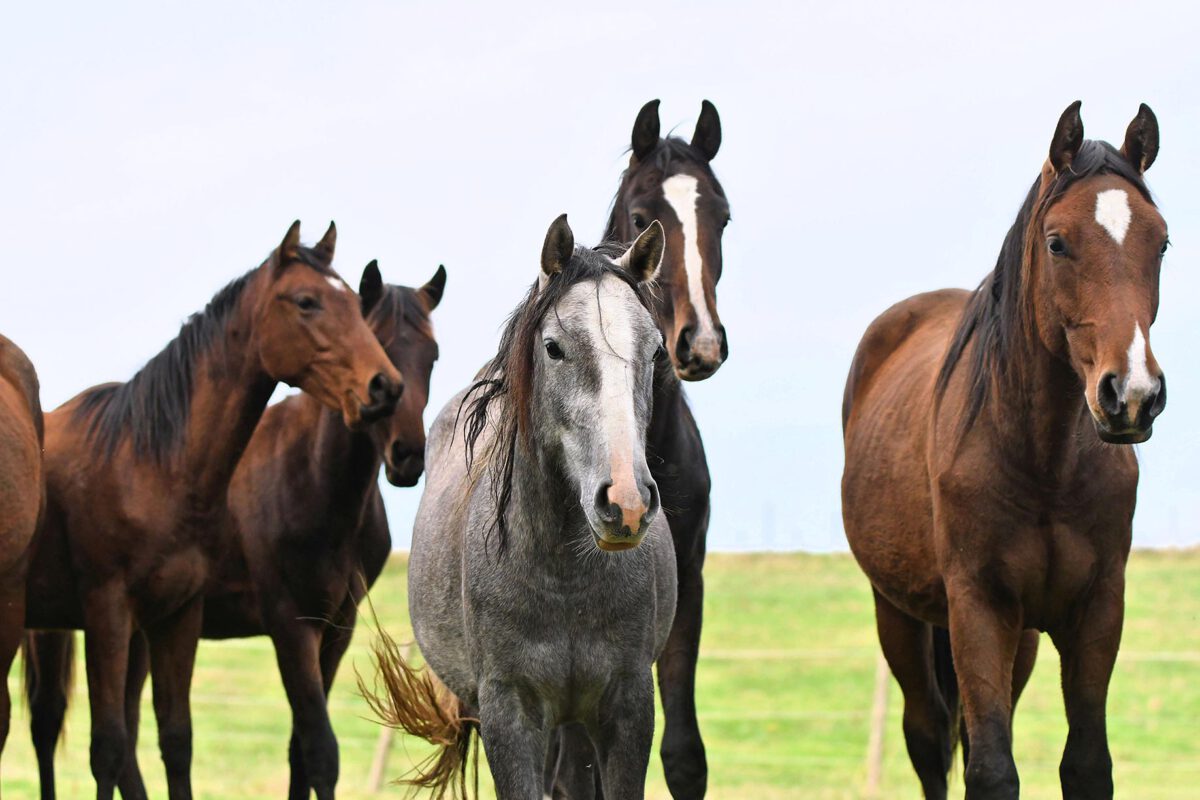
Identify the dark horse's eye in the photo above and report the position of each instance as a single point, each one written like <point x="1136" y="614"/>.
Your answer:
<point x="553" y="350"/>
<point x="306" y="302"/>
<point x="1056" y="246"/>
<point x="660" y="353"/>
<point x="639" y="221"/>
<point x="1162" y="251"/>
<point x="728" y="219"/>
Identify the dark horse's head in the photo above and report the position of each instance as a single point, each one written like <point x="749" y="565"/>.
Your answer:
<point x="671" y="181"/>
<point x="1079" y="273"/>
<point x="400" y="318"/>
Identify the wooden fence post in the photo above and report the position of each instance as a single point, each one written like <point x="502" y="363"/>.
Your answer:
<point x="878" y="720"/>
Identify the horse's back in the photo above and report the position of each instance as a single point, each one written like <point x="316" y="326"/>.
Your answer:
<point x="22" y="489"/>
<point x="886" y="495"/>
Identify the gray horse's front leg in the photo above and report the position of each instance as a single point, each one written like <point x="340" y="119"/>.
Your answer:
<point x="624" y="736"/>
<point x="514" y="738"/>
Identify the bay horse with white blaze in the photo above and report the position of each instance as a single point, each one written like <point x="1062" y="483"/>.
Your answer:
<point x="22" y="501"/>
<point x="672" y="182"/>
<point x="989" y="485"/>
<point x="138" y="473"/>
<point x="542" y="579"/>
<point x="313" y="537"/>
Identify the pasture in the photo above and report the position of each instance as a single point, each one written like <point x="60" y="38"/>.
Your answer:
<point x="785" y="688"/>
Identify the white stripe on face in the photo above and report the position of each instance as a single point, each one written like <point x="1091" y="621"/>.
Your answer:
<point x="1139" y="383"/>
<point x="681" y="193"/>
<point x="1112" y="212"/>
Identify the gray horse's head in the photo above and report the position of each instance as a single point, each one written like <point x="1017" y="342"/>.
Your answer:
<point x="577" y="365"/>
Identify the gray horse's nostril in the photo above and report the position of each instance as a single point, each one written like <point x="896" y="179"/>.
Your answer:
<point x="606" y="510"/>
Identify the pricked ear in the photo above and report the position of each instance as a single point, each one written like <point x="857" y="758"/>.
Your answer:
<point x="645" y="130"/>
<point x="370" y="288"/>
<point x="557" y="249"/>
<point x="1068" y="138"/>
<point x="707" y="138"/>
<point x="644" y="257"/>
<point x="436" y="287"/>
<point x="1141" y="139"/>
<point x="328" y="242"/>
<point x="291" y="241"/>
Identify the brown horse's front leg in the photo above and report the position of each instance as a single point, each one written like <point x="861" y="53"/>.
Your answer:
<point x="108" y="625"/>
<point x="172" y="659"/>
<point x="131" y="784"/>
<point x="1089" y="651"/>
<point x="984" y="639"/>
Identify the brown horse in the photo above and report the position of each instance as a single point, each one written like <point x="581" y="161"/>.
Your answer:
<point x="22" y="499"/>
<point x="314" y="536"/>
<point x="989" y="487"/>
<point x="138" y="473"/>
<point x="672" y="181"/>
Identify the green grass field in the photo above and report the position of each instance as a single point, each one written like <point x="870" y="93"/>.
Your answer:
<point x="786" y="679"/>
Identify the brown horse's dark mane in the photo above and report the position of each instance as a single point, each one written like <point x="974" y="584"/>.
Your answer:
<point x="508" y="376"/>
<point x="151" y="408"/>
<point x="997" y="315"/>
<point x="661" y="159"/>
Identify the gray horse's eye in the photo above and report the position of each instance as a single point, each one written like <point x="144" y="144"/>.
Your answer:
<point x="553" y="350"/>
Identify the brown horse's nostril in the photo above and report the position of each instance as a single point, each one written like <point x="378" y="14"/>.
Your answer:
<point x="1108" y="395"/>
<point x="383" y="391"/>
<point x="724" y="343"/>
<point x="1155" y="404"/>
<point x="683" y="346"/>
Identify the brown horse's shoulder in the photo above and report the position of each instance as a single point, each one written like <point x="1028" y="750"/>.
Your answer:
<point x="929" y="312"/>
<point x="18" y="370"/>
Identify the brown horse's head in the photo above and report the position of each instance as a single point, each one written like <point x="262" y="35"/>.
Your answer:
<point x="671" y="181"/>
<point x="1095" y="257"/>
<point x="310" y="333"/>
<point x="399" y="318"/>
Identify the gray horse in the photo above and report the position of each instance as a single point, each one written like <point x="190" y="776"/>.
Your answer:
<point x="530" y="596"/>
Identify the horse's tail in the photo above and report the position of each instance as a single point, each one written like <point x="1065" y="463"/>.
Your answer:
<point x="947" y="683"/>
<point x="413" y="700"/>
<point x="49" y="671"/>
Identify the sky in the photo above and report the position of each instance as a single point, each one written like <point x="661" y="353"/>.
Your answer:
<point x="153" y="152"/>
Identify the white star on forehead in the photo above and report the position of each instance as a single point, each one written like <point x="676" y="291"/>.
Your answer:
<point x="1112" y="212"/>
<point x="337" y="283"/>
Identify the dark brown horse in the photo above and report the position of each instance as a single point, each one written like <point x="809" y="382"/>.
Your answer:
<point x="138" y="473"/>
<point x="22" y="499"/>
<point x="672" y="181"/>
<point x="989" y="486"/>
<point x="314" y="536"/>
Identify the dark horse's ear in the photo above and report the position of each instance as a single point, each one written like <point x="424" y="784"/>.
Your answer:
<point x="1141" y="139"/>
<point x="370" y="288"/>
<point x="328" y="242"/>
<point x="645" y="130"/>
<point x="436" y="287"/>
<point x="644" y="257"/>
<point x="707" y="138"/>
<point x="291" y="241"/>
<point x="1068" y="138"/>
<point x="557" y="249"/>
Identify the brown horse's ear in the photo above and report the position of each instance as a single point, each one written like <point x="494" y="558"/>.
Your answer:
<point x="370" y="288"/>
<point x="291" y="241"/>
<point x="436" y="287"/>
<point x="1141" y="139"/>
<point x="328" y="242"/>
<point x="645" y="130"/>
<point x="1068" y="138"/>
<point x="644" y="257"/>
<point x="557" y="249"/>
<point x="707" y="138"/>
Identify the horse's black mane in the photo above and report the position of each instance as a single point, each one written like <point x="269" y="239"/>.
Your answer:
<point x="152" y="407"/>
<point x="509" y="375"/>
<point x="996" y="316"/>
<point x="660" y="161"/>
<point x="401" y="304"/>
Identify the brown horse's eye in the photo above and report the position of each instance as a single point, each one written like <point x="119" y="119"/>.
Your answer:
<point x="639" y="221"/>
<point x="306" y="302"/>
<point x="553" y="350"/>
<point x="1162" y="251"/>
<point x="728" y="219"/>
<point x="1056" y="246"/>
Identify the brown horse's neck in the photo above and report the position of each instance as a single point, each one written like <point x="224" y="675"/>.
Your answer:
<point x="668" y="399"/>
<point x="346" y="462"/>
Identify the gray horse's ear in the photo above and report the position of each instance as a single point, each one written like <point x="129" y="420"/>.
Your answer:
<point x="645" y="130"/>
<point x="436" y="287"/>
<point x="1068" y="138"/>
<point x="328" y="242"/>
<point x="707" y="138"/>
<point x="644" y="257"/>
<point x="291" y="241"/>
<point x="1141" y="139"/>
<point x="557" y="249"/>
<point x="370" y="288"/>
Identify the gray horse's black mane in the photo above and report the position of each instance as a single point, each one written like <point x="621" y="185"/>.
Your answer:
<point x="151" y="408"/>
<point x="996" y="316"/>
<point x="509" y="375"/>
<point x="658" y="164"/>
